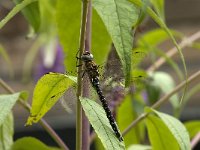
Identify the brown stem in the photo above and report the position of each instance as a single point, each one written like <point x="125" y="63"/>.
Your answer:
<point x="79" y="77"/>
<point x="163" y="99"/>
<point x="85" y="122"/>
<point x="42" y="122"/>
<point x="184" y="43"/>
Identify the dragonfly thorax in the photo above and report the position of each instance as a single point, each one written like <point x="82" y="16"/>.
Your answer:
<point x="87" y="56"/>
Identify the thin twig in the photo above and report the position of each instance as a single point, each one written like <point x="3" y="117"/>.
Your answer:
<point x="42" y="122"/>
<point x="165" y="98"/>
<point x="184" y="43"/>
<point x="79" y="77"/>
<point x="195" y="140"/>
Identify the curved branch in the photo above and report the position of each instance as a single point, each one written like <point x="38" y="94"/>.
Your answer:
<point x="165" y="98"/>
<point x="185" y="42"/>
<point x="195" y="140"/>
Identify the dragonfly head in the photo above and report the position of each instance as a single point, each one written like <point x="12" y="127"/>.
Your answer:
<point x="87" y="56"/>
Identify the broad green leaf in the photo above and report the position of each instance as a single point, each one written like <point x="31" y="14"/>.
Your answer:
<point x="48" y="90"/>
<point x="160" y="136"/>
<point x="166" y="132"/>
<point x="48" y="16"/>
<point x="166" y="83"/>
<point x="15" y="10"/>
<point x="193" y="127"/>
<point x="100" y="123"/>
<point x="139" y="147"/>
<point x="30" y="143"/>
<point x="159" y="6"/>
<point x="68" y="23"/>
<point x="155" y="37"/>
<point x="6" y="104"/>
<point x="160" y="22"/>
<point x="7" y="132"/>
<point x="119" y="16"/>
<point x="32" y="14"/>
<point x="124" y="120"/>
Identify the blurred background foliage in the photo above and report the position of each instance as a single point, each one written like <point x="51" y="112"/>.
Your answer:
<point x="44" y="38"/>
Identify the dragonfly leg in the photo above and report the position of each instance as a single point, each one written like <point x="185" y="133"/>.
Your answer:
<point x="77" y="58"/>
<point x="83" y="73"/>
<point x="79" y="65"/>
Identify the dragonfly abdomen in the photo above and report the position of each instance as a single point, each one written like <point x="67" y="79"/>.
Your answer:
<point x="109" y="115"/>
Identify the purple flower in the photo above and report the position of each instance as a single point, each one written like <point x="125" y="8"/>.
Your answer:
<point x="51" y="60"/>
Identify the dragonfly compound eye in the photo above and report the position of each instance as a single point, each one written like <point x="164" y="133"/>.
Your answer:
<point x="87" y="56"/>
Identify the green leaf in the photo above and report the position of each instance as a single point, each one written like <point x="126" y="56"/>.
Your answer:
<point x="161" y="23"/>
<point x="149" y="42"/>
<point x="6" y="104"/>
<point x="195" y="45"/>
<point x="6" y="58"/>
<point x="194" y="90"/>
<point x="155" y="37"/>
<point x="138" y="77"/>
<point x="98" y="144"/>
<point x="100" y="123"/>
<point x="171" y="62"/>
<point x="30" y="143"/>
<point x="159" y="135"/>
<point x="138" y="55"/>
<point x="159" y="6"/>
<point x="166" y="132"/>
<point x="68" y="23"/>
<point x="153" y="91"/>
<point x="47" y="91"/>
<point x="119" y="16"/>
<point x="143" y="13"/>
<point x="48" y="17"/>
<point x="193" y="127"/>
<point x="166" y="83"/>
<point x="15" y="10"/>
<point x="7" y="132"/>
<point x="139" y="147"/>
<point x="32" y="14"/>
<point x="124" y="120"/>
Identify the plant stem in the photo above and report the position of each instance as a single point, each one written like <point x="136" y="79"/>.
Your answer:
<point x="85" y="122"/>
<point x="42" y="122"/>
<point x="79" y="78"/>
<point x="162" y="100"/>
<point x="15" y="10"/>
<point x="195" y="140"/>
<point x="184" y="43"/>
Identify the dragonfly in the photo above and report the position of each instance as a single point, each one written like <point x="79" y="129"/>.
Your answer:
<point x="91" y="69"/>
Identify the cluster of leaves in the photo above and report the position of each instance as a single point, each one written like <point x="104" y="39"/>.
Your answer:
<point x="113" y="21"/>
